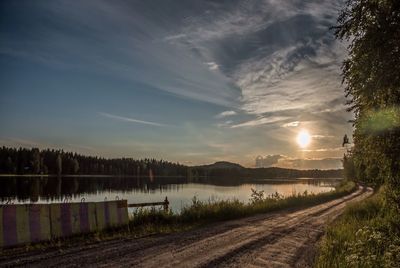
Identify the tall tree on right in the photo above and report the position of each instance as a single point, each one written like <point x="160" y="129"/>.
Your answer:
<point x="371" y="74"/>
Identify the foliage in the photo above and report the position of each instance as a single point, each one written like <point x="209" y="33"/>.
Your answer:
<point x="259" y="203"/>
<point x="372" y="77"/>
<point x="202" y="212"/>
<point x="230" y="172"/>
<point x="256" y="196"/>
<point x="366" y="235"/>
<point x="34" y="161"/>
<point x="154" y="216"/>
<point x="349" y="169"/>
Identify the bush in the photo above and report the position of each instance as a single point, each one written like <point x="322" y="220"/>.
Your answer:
<point x="366" y="235"/>
<point x="143" y="216"/>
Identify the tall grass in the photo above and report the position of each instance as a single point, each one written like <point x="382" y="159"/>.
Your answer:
<point x="200" y="212"/>
<point x="366" y="235"/>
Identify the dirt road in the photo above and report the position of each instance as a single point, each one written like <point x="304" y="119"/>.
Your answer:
<point x="283" y="239"/>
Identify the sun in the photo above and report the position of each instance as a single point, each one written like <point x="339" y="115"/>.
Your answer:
<point x="303" y="138"/>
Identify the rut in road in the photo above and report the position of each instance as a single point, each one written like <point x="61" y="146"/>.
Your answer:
<point x="273" y="240"/>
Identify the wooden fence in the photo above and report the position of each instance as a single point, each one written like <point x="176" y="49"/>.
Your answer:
<point x="164" y="203"/>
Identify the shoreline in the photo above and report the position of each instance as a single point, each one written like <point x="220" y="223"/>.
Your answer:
<point x="200" y="216"/>
<point x="156" y="176"/>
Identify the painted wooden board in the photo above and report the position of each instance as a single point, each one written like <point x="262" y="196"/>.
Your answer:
<point x="31" y="223"/>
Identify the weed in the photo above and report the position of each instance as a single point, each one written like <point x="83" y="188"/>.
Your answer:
<point x="366" y="235"/>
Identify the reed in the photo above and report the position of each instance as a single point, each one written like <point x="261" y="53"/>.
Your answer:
<point x="200" y="212"/>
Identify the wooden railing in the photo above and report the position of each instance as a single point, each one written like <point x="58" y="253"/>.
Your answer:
<point x="164" y="203"/>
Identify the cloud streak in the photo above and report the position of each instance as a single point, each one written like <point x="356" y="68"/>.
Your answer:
<point x="260" y="121"/>
<point x="225" y="114"/>
<point x="131" y="120"/>
<point x="212" y="66"/>
<point x="291" y="124"/>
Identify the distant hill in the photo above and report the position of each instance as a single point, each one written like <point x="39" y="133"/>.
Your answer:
<point x="233" y="170"/>
<point x="222" y="165"/>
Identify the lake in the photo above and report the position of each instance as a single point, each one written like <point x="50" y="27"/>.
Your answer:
<point x="179" y="191"/>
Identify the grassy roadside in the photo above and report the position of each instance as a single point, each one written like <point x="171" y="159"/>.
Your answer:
<point x="200" y="213"/>
<point x="366" y="235"/>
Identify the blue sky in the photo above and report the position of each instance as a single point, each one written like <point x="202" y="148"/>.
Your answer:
<point x="188" y="81"/>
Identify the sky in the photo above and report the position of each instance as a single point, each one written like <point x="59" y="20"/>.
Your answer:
<point x="181" y="80"/>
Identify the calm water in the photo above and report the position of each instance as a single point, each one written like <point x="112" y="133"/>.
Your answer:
<point x="180" y="191"/>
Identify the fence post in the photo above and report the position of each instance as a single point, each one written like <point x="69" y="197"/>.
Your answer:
<point x="166" y="203"/>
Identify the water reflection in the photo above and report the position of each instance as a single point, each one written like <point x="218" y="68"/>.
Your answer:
<point x="135" y="189"/>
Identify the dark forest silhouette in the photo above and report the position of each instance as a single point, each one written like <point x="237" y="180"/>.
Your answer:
<point x="57" y="162"/>
<point x="33" y="161"/>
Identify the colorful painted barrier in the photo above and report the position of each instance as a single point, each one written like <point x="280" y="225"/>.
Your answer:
<point x="23" y="224"/>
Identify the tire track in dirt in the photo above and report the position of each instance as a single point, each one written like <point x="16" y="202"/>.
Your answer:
<point x="287" y="250"/>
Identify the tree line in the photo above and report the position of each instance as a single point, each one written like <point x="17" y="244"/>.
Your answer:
<point x="262" y="173"/>
<point x="49" y="161"/>
<point x="23" y="161"/>
<point x="371" y="74"/>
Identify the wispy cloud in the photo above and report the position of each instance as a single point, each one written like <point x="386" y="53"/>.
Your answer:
<point x="20" y="142"/>
<point x="282" y="58"/>
<point x="144" y="50"/>
<point x="212" y="66"/>
<point x="226" y="123"/>
<point x="261" y="121"/>
<point x="336" y="149"/>
<point x="81" y="147"/>
<point x="322" y="136"/>
<point x="225" y="114"/>
<point x="17" y="142"/>
<point x="174" y="37"/>
<point x="291" y="124"/>
<point x="131" y="120"/>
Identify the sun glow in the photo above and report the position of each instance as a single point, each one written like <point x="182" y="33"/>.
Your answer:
<point x="303" y="138"/>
